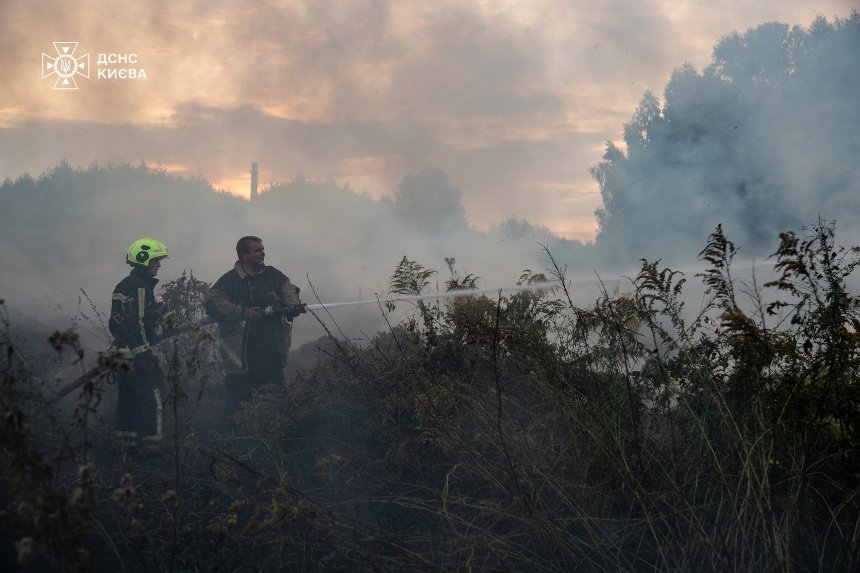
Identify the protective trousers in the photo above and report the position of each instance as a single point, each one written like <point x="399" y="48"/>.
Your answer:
<point x="264" y="366"/>
<point x="139" y="409"/>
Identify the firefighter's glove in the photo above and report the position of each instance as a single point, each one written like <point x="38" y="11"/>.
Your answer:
<point x="296" y="311"/>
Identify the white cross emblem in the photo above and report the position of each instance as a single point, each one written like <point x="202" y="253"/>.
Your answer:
<point x="66" y="66"/>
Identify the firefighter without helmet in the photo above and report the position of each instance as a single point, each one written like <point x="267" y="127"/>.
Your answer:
<point x="144" y="250"/>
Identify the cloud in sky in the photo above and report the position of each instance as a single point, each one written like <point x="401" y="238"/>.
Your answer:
<point x="513" y="100"/>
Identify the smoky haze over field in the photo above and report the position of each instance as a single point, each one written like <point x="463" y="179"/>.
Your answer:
<point x="615" y="425"/>
<point x="346" y="244"/>
<point x="513" y="100"/>
<point x="763" y="140"/>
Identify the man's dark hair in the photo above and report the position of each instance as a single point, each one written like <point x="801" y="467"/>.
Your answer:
<point x="244" y="245"/>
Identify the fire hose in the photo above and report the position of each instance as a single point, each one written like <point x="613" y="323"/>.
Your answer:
<point x="270" y="310"/>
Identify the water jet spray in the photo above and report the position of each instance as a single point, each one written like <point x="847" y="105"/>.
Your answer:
<point x="188" y="327"/>
<point x="431" y="296"/>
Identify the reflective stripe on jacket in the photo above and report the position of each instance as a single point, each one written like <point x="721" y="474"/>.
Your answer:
<point x="134" y="312"/>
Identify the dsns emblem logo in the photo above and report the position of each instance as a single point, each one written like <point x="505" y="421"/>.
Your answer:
<point x="65" y="66"/>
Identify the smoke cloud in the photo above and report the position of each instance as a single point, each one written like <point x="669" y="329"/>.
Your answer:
<point x="462" y="132"/>
<point x="761" y="142"/>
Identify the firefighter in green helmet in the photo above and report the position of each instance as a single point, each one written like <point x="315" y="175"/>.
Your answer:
<point x="133" y="317"/>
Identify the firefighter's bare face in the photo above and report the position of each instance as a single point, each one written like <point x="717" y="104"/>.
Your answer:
<point x="153" y="266"/>
<point x="255" y="256"/>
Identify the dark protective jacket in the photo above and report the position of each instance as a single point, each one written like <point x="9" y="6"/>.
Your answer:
<point x="134" y="313"/>
<point x="235" y="291"/>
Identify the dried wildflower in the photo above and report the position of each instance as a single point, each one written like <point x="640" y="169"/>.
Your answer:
<point x="26" y="550"/>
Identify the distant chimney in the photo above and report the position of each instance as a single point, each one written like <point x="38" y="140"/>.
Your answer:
<point x="253" y="181"/>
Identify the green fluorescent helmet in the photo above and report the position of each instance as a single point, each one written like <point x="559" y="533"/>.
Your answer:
<point x="144" y="250"/>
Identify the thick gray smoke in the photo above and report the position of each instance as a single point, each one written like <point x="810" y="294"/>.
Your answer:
<point x="764" y="140"/>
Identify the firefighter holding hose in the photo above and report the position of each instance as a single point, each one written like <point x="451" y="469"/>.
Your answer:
<point x="254" y="305"/>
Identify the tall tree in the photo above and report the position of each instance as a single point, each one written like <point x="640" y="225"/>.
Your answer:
<point x="428" y="201"/>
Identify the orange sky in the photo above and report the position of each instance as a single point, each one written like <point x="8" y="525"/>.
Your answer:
<point x="514" y="100"/>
